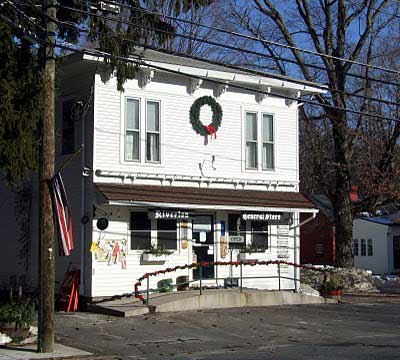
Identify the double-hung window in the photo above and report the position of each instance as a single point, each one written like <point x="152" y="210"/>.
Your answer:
<point x="251" y="140"/>
<point x="268" y="142"/>
<point x="370" y="248"/>
<point x="363" y="247"/>
<point x="259" y="138"/>
<point x="132" y="146"/>
<point x="142" y="130"/>
<point x="152" y="131"/>
<point x="355" y="247"/>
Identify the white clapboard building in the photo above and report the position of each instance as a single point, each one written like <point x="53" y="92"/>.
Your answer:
<point x="148" y="190"/>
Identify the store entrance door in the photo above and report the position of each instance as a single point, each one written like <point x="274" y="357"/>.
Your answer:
<point x="203" y="244"/>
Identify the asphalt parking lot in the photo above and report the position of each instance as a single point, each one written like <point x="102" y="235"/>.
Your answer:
<point x="334" y="331"/>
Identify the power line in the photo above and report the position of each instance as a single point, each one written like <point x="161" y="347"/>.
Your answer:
<point x="231" y="47"/>
<point x="234" y="67"/>
<point x="231" y="66"/>
<point x="249" y="37"/>
<point x="138" y="62"/>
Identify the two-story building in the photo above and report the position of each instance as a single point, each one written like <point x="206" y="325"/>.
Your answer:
<point x="161" y="171"/>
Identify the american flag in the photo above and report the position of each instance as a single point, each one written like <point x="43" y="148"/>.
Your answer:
<point x="62" y="216"/>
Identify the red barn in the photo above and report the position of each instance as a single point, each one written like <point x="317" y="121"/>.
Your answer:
<point x="317" y="245"/>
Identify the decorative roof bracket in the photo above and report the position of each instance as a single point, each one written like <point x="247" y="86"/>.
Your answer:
<point x="194" y="85"/>
<point x="289" y="102"/>
<point x="145" y="77"/>
<point x="263" y="95"/>
<point x="221" y="89"/>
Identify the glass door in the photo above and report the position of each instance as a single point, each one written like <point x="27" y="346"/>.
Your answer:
<point x="203" y="244"/>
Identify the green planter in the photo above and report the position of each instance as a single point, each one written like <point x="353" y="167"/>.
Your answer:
<point x="165" y="285"/>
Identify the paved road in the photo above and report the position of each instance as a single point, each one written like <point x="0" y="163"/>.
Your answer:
<point x="342" y="331"/>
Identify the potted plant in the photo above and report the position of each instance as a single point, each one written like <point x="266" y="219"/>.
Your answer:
<point x="156" y="254"/>
<point x="16" y="317"/>
<point x="251" y="252"/>
<point x="334" y="287"/>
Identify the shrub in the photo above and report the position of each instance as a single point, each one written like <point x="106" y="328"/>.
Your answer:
<point x="21" y="312"/>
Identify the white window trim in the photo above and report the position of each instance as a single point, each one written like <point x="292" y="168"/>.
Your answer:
<point x="159" y="132"/>
<point x="257" y="141"/>
<point x="365" y="248"/>
<point x="125" y="129"/>
<point x="262" y="142"/>
<point x="358" y="247"/>
<point x="369" y="240"/>
<point x="142" y="135"/>
<point x="260" y="113"/>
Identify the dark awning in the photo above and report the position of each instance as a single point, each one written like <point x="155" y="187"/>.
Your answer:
<point x="204" y="198"/>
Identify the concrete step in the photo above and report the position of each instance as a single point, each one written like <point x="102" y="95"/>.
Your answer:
<point x="211" y="299"/>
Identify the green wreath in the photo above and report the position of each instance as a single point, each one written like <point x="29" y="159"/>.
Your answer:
<point x="198" y="126"/>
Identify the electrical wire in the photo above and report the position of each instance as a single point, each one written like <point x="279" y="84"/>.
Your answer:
<point x="386" y="82"/>
<point x="249" y="37"/>
<point x="325" y="105"/>
<point x="138" y="62"/>
<point x="234" y="67"/>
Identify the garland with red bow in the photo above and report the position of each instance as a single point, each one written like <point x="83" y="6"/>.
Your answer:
<point x="198" y="126"/>
<point x="221" y="263"/>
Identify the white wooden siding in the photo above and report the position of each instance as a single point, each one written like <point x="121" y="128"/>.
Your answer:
<point x="364" y="229"/>
<point x="110" y="280"/>
<point x="183" y="149"/>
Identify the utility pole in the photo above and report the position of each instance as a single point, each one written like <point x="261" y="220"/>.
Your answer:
<point x="46" y="236"/>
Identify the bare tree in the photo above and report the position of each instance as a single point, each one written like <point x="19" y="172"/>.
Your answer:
<point x="351" y="30"/>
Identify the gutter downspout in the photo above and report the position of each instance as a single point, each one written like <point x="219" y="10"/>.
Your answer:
<point x="296" y="254"/>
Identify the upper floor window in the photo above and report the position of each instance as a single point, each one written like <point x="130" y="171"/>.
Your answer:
<point x="142" y="130"/>
<point x="251" y="140"/>
<point x="132" y="136"/>
<point x="268" y="142"/>
<point x="68" y="127"/>
<point x="152" y="131"/>
<point x="259" y="137"/>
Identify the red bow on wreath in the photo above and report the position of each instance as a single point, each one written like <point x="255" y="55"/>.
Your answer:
<point x="211" y="131"/>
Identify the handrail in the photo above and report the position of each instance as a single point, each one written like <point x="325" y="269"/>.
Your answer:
<point x="200" y="265"/>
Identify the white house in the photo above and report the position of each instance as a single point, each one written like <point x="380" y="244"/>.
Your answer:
<point x="146" y="179"/>
<point x="376" y="244"/>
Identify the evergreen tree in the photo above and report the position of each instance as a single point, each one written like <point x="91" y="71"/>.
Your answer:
<point x="20" y="67"/>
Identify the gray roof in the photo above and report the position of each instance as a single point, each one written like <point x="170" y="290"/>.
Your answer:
<point x="190" y="61"/>
<point x="323" y="203"/>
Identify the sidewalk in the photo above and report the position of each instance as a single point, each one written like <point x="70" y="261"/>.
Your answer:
<point x="29" y="352"/>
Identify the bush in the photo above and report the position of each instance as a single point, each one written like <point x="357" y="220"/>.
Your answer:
<point x="21" y="313"/>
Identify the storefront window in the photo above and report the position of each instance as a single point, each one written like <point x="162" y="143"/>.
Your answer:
<point x="140" y="231"/>
<point x="166" y="234"/>
<point x="259" y="234"/>
<point x="237" y="231"/>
